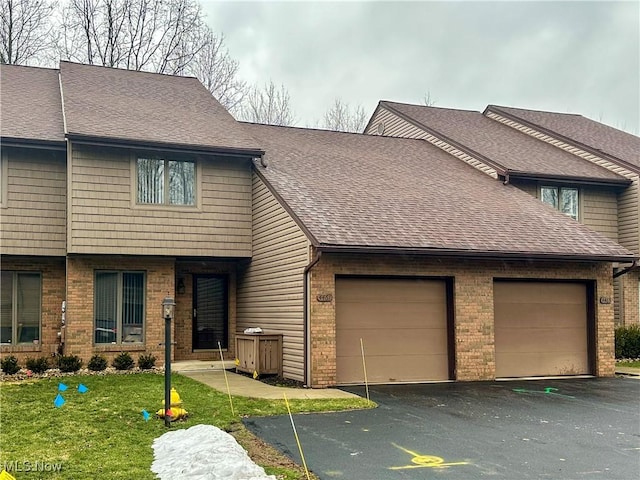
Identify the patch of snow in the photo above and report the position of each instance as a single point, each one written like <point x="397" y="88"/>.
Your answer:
<point x="203" y="452"/>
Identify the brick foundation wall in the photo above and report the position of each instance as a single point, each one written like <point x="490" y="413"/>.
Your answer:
<point x="473" y="310"/>
<point x="160" y="282"/>
<point x="184" y="309"/>
<point x="52" y="270"/>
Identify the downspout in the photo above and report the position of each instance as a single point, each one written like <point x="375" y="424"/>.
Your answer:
<point x="307" y="315"/>
<point x="624" y="271"/>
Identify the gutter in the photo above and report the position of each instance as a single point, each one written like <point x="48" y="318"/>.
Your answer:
<point x="608" y="182"/>
<point x="307" y="315"/>
<point x="147" y="145"/>
<point x="442" y="252"/>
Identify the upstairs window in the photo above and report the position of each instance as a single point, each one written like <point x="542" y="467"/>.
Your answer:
<point x="166" y="182"/>
<point x="561" y="198"/>
<point x="21" y="294"/>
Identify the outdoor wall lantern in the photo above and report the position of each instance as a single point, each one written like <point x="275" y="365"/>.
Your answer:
<point x="168" y="308"/>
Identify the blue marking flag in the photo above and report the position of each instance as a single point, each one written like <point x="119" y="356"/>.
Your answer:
<point x="62" y="387"/>
<point x="145" y="415"/>
<point x="82" y="388"/>
<point x="59" y="401"/>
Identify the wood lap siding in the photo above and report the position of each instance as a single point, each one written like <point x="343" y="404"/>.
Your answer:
<point x="600" y="211"/>
<point x="34" y="217"/>
<point x="394" y="126"/>
<point x="271" y="287"/>
<point x="105" y="219"/>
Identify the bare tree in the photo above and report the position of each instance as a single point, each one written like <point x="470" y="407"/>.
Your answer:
<point x="217" y="71"/>
<point x="155" y="35"/>
<point x="428" y="100"/>
<point x="270" y="104"/>
<point x="343" y="118"/>
<point x="25" y="30"/>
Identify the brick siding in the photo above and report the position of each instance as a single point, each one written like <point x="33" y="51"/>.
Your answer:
<point x="53" y="293"/>
<point x="160" y="281"/>
<point x="473" y="311"/>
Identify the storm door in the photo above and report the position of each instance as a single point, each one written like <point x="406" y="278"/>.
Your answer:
<point x="210" y="312"/>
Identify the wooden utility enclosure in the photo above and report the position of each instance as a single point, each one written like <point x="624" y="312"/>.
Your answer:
<point x="259" y="353"/>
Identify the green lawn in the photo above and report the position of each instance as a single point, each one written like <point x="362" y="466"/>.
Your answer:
<point x="632" y="364"/>
<point x="102" y="433"/>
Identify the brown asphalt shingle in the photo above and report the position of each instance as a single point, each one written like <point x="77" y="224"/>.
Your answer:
<point x="147" y="108"/>
<point x="514" y="151"/>
<point x="381" y="192"/>
<point x="31" y="107"/>
<point x="595" y="135"/>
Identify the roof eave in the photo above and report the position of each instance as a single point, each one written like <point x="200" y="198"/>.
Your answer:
<point x="178" y="147"/>
<point x="500" y="169"/>
<point x="473" y="254"/>
<point x="586" y="148"/>
<point x="33" y="143"/>
<point x="607" y="182"/>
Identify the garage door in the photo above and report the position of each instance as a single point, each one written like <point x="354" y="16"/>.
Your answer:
<point x="403" y="325"/>
<point x="540" y="329"/>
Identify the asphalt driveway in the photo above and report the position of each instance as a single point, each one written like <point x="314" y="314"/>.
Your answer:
<point x="556" y="429"/>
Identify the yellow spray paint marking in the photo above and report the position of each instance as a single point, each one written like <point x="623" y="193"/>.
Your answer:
<point x="425" y="461"/>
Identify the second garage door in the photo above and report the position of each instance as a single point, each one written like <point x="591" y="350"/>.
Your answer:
<point x="540" y="329"/>
<point x="403" y="325"/>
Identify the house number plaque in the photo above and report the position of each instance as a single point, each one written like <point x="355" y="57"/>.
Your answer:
<point x="325" y="297"/>
<point x="605" y="300"/>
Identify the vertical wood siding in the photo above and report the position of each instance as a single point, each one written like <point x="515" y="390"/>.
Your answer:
<point x="628" y="200"/>
<point x="105" y="219"/>
<point x="395" y="126"/>
<point x="33" y="215"/>
<point x="271" y="287"/>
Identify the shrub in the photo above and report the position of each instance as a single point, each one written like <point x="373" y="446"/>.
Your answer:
<point x="69" y="363"/>
<point x="123" y="362"/>
<point x="628" y="341"/>
<point x="38" y="365"/>
<point x="97" y="363"/>
<point x="146" y="362"/>
<point x="10" y="365"/>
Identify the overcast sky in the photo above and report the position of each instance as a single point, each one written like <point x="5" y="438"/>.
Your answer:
<point x="578" y="57"/>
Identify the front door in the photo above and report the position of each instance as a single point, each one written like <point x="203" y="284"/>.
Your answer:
<point x="210" y="312"/>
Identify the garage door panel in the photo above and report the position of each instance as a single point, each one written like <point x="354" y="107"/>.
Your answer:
<point x="379" y="315"/>
<point x="413" y="341"/>
<point x="403" y="324"/>
<point x="537" y="364"/>
<point x="539" y="293"/>
<point x="540" y="329"/>
<point x="541" y="339"/>
<point x="390" y="369"/>
<point x="390" y="291"/>
<point x="547" y="316"/>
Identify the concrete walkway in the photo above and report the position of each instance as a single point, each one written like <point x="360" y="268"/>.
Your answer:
<point x="632" y="372"/>
<point x="211" y="374"/>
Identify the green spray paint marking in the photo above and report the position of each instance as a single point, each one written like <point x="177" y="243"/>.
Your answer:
<point x="547" y="391"/>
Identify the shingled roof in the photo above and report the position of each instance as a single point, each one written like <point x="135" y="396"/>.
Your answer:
<point x="580" y="130"/>
<point x="31" y="107"/>
<point x="371" y="193"/>
<point x="144" y="108"/>
<point x="509" y="151"/>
